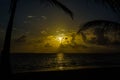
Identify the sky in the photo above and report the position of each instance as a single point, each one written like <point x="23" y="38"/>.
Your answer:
<point x="34" y="20"/>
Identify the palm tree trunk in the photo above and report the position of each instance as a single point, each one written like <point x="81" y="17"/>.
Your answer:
<point x="5" y="56"/>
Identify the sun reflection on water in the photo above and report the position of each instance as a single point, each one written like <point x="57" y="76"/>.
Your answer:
<point x="60" y="57"/>
<point x="60" y="60"/>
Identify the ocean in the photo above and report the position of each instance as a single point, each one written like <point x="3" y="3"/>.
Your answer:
<point x="25" y="62"/>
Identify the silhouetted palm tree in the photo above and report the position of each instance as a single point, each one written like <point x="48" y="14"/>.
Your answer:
<point x="5" y="56"/>
<point x="100" y="28"/>
<point x="104" y="24"/>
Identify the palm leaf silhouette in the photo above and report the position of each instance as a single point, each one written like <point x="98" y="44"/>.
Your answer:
<point x="61" y="6"/>
<point x="100" y="28"/>
<point x="103" y="25"/>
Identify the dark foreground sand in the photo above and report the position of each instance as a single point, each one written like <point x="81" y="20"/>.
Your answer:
<point x="81" y="74"/>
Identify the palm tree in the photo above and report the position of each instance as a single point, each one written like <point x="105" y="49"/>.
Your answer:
<point x="5" y="56"/>
<point x="104" y="24"/>
<point x="100" y="28"/>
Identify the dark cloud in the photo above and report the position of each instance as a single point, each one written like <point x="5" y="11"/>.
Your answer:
<point x="21" y="39"/>
<point x="38" y="41"/>
<point x="44" y="32"/>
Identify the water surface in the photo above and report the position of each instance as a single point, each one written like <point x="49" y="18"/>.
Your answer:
<point x="61" y="61"/>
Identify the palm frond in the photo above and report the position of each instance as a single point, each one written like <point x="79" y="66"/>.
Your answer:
<point x="102" y="25"/>
<point x="100" y="29"/>
<point x="51" y="2"/>
<point x="61" y="6"/>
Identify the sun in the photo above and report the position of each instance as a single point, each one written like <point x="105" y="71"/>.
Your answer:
<point x="60" y="39"/>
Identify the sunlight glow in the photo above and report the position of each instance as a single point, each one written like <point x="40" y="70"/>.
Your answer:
<point x="60" y="39"/>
